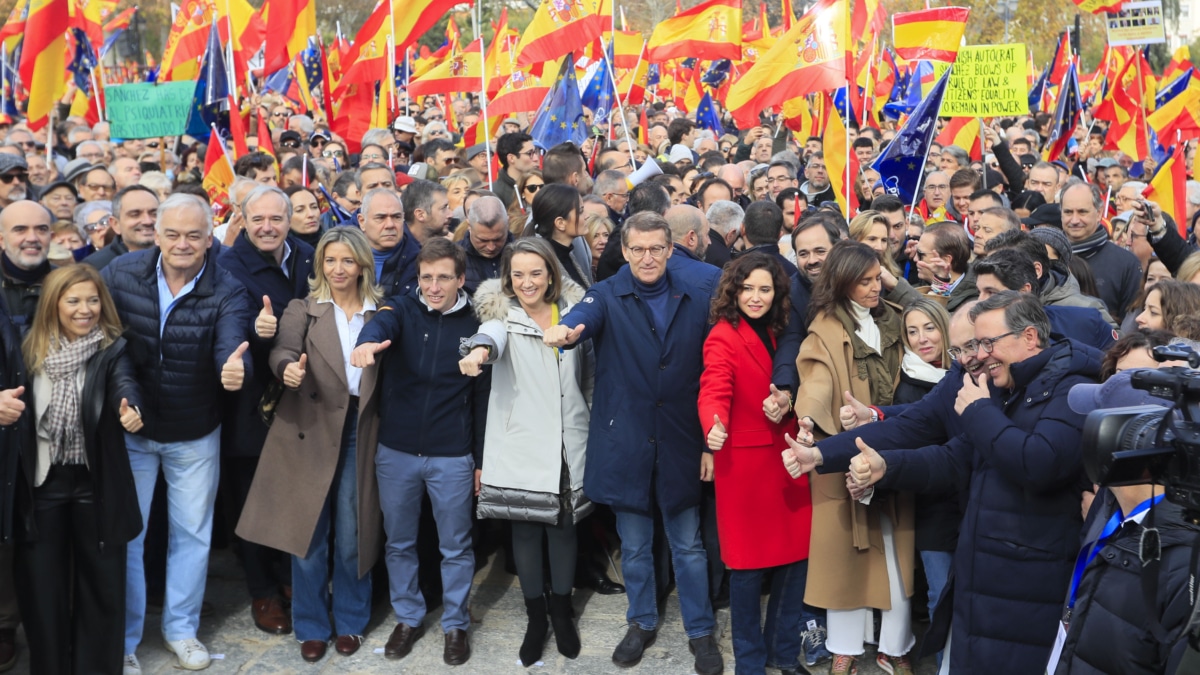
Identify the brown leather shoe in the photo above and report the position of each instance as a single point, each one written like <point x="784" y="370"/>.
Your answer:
<point x="348" y="644"/>
<point x="401" y="642"/>
<point x="270" y="616"/>
<point x="458" y="647"/>
<point x="8" y="649"/>
<point x="313" y="650"/>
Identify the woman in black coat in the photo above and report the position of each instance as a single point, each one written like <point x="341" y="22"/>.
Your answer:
<point x="76" y="503"/>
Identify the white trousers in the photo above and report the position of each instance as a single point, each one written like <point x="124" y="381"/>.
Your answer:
<point x="850" y="629"/>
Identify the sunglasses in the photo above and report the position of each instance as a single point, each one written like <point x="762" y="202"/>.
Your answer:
<point x="318" y="141"/>
<point x="333" y="153"/>
<point x="152" y="144"/>
<point x="290" y="144"/>
<point x="101" y="224"/>
<point x="279" y="114"/>
<point x="533" y="187"/>
<point x="10" y="177"/>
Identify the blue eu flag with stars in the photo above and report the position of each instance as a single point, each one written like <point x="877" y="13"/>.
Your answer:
<point x="599" y="93"/>
<point x="83" y="63"/>
<point x="560" y="117"/>
<point x="707" y="117"/>
<point x="901" y="162"/>
<point x="210" y="103"/>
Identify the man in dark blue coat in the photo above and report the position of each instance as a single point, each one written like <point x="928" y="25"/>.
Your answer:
<point x="1020" y="453"/>
<point x="187" y="321"/>
<point x="274" y="267"/>
<point x="645" y="446"/>
<point x="392" y="244"/>
<point x="430" y="440"/>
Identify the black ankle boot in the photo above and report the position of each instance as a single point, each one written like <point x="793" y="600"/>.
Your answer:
<point x="535" y="631"/>
<point x="566" y="635"/>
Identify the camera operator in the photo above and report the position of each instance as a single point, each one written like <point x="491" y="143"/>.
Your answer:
<point x="1108" y="595"/>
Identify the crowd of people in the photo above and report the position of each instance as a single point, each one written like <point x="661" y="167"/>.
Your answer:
<point x="372" y="364"/>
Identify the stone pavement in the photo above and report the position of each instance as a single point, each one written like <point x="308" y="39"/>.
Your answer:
<point x="499" y="613"/>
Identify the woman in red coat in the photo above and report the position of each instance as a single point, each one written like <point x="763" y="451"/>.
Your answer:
<point x="763" y="516"/>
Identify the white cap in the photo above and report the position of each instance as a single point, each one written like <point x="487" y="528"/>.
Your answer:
<point x="405" y="124"/>
<point x="680" y="153"/>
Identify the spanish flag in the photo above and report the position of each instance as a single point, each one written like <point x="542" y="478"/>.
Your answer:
<point x="557" y="29"/>
<point x="842" y="174"/>
<point x="929" y="34"/>
<point x="1168" y="187"/>
<point x="809" y="58"/>
<point x="44" y="58"/>
<point x="711" y="30"/>
<point x="218" y="172"/>
<point x="461" y="72"/>
<point x="186" y="41"/>
<point x="963" y="132"/>
<point x="522" y="92"/>
<point x="1181" y="114"/>
<point x="289" y="25"/>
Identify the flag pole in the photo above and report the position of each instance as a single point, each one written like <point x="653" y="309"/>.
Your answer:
<point x="620" y="110"/>
<point x="231" y="71"/>
<point x="846" y="127"/>
<point x="982" y="150"/>
<point x="925" y="155"/>
<point x="96" y="93"/>
<point x="487" y="129"/>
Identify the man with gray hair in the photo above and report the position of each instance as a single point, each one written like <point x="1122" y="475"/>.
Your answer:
<point x="426" y="209"/>
<point x="187" y="321"/>
<point x="274" y="266"/>
<point x="1118" y="272"/>
<point x="725" y="224"/>
<point x="689" y="231"/>
<point x="302" y="124"/>
<point x="613" y="188"/>
<point x="393" y="245"/>
<point x="92" y="151"/>
<point x="487" y="237"/>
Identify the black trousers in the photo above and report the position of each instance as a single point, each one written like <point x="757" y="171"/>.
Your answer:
<point x="266" y="568"/>
<point x="71" y="590"/>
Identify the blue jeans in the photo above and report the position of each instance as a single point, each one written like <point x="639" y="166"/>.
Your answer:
<point x="778" y="644"/>
<point x="691" y="569"/>
<point x="191" y="469"/>
<point x="403" y="479"/>
<point x="310" y="575"/>
<point x="937" y="573"/>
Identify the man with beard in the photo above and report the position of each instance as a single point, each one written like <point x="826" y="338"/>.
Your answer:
<point x="14" y="179"/>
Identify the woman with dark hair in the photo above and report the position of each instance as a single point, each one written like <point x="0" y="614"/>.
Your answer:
<point x="763" y="516"/>
<point x="306" y="214"/>
<point x="864" y="559"/>
<point x="1133" y="350"/>
<point x="75" y="503"/>
<point x="1027" y="202"/>
<point x="1155" y="272"/>
<point x="1167" y="300"/>
<point x="558" y="218"/>
<point x="534" y="448"/>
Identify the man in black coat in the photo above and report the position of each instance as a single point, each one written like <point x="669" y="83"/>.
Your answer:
<point x="12" y="386"/>
<point x="1118" y="272"/>
<point x="274" y="267"/>
<point x="487" y="237"/>
<point x="762" y="227"/>
<point x="393" y="245"/>
<point x="187" y="322"/>
<point x="134" y="211"/>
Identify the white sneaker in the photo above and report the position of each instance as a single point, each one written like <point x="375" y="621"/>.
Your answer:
<point x="191" y="654"/>
<point x="132" y="667"/>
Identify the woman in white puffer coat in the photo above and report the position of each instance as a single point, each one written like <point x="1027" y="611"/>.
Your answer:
<point x="537" y="430"/>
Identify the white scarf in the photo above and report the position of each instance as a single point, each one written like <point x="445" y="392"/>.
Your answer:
<point x="867" y="331"/>
<point x="916" y="368"/>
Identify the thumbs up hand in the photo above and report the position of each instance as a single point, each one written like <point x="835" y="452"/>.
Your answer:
<point x="293" y="373"/>
<point x="131" y="419"/>
<point x="776" y="406"/>
<point x="854" y="414"/>
<point x="716" y="435"/>
<point x="265" y="324"/>
<point x="11" y="405"/>
<point x="868" y="467"/>
<point x="233" y="373"/>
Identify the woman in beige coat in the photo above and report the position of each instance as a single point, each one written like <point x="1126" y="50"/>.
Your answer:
<point x="317" y="471"/>
<point x="861" y="555"/>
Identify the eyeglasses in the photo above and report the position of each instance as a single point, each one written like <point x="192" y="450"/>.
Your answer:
<point x="373" y="157"/>
<point x="622" y="195"/>
<point x="531" y="153"/>
<point x="533" y="187"/>
<point x="450" y="160"/>
<point x="441" y="279"/>
<point x="101" y="224"/>
<point x="10" y="177"/>
<point x="333" y="153"/>
<point x="109" y="187"/>
<point x="988" y="344"/>
<point x="655" y="252"/>
<point x="936" y="188"/>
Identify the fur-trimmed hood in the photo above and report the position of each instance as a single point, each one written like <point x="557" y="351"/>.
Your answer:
<point x="492" y="304"/>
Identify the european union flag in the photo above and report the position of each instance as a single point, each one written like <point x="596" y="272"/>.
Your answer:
<point x="707" y="117"/>
<point x="8" y="75"/>
<point x="560" y="116"/>
<point x="83" y="63"/>
<point x="844" y="108"/>
<point x="210" y="103"/>
<point x="717" y="72"/>
<point x="652" y="75"/>
<point x="1177" y="87"/>
<point x="911" y="97"/>
<point x="599" y="93"/>
<point x="1066" y="114"/>
<point x="1038" y="91"/>
<point x="901" y="163"/>
<point x="279" y="82"/>
<point x="311" y="58"/>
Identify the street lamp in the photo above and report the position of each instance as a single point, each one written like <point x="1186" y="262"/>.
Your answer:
<point x="1006" y="9"/>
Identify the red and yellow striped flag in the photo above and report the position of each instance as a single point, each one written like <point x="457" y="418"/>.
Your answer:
<point x="1168" y="187"/>
<point x="557" y="29"/>
<point x="929" y="34"/>
<point x="711" y="30"/>
<point x="963" y="132"/>
<point x="44" y="57"/>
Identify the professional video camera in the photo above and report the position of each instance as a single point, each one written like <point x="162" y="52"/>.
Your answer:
<point x="1152" y="444"/>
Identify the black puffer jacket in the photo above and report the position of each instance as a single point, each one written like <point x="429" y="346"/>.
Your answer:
<point x="12" y="375"/>
<point x="180" y="373"/>
<point x="101" y="259"/>
<point x="1109" y="603"/>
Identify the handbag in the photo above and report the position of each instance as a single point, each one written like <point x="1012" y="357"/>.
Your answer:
<point x="270" y="401"/>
